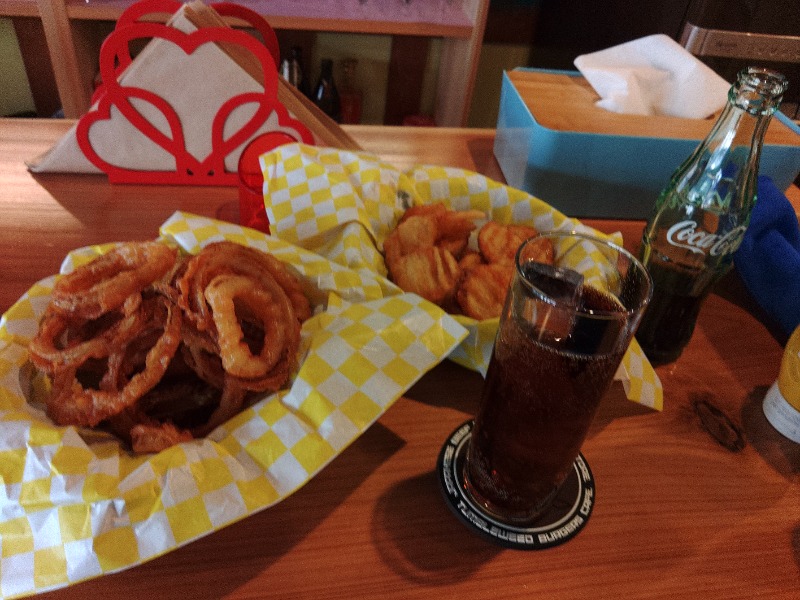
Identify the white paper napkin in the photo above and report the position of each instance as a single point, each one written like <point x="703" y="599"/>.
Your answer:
<point x="653" y="75"/>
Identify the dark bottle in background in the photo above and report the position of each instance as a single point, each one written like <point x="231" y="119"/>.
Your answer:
<point x="326" y="95"/>
<point x="350" y="96"/>
<point x="293" y="70"/>
<point x="700" y="217"/>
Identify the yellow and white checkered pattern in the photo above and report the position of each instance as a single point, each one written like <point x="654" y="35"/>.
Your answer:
<point x="343" y="204"/>
<point x="76" y="504"/>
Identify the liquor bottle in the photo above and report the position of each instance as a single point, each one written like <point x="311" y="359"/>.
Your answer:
<point x="325" y="95"/>
<point x="350" y="97"/>
<point x="293" y="70"/>
<point x="701" y="215"/>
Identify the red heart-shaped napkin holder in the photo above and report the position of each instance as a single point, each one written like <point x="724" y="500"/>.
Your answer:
<point x="207" y="170"/>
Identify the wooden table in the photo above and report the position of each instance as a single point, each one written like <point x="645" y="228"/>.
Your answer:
<point x="700" y="500"/>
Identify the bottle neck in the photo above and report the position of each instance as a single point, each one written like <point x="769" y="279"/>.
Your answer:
<point x="722" y="172"/>
<point x="744" y="120"/>
<point x="326" y="71"/>
<point x="738" y="130"/>
<point x="758" y="91"/>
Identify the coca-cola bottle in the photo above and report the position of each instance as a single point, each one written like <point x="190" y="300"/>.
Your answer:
<point x="700" y="218"/>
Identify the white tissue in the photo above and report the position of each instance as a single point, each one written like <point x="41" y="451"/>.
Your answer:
<point x="653" y="75"/>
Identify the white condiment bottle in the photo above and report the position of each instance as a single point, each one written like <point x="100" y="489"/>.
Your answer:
<point x="782" y="402"/>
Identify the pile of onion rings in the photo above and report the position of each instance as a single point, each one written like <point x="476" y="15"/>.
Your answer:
<point x="160" y="347"/>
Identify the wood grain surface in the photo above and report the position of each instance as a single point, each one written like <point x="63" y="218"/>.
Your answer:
<point x="698" y="501"/>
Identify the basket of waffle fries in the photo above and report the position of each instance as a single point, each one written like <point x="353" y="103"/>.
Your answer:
<point x="446" y="234"/>
<point x="157" y="391"/>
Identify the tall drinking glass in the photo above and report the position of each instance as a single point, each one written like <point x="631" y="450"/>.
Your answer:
<point x="564" y="330"/>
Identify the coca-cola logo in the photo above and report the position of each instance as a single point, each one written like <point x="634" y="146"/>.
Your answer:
<point x="687" y="235"/>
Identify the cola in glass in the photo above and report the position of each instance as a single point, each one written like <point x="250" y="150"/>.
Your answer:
<point x="559" y="343"/>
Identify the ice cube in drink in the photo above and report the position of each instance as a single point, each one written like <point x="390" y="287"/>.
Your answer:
<point x="551" y="298"/>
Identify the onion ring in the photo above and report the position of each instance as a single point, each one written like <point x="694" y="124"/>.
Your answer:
<point x="104" y="284"/>
<point x="231" y="402"/>
<point x="78" y="405"/>
<point x="231" y="258"/>
<point x="145" y="434"/>
<point x="201" y="354"/>
<point x="57" y="344"/>
<point x="155" y="437"/>
<point x="160" y="349"/>
<point x="222" y="294"/>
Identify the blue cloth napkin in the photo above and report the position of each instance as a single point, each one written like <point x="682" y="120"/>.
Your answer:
<point x="768" y="260"/>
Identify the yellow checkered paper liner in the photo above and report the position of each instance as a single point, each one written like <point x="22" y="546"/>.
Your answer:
<point x="77" y="505"/>
<point x="344" y="204"/>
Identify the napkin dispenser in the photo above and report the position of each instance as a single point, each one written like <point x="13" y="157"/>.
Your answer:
<point x="554" y="142"/>
<point x="185" y="107"/>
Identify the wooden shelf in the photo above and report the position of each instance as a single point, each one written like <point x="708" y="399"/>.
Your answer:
<point x="18" y="8"/>
<point x="71" y="35"/>
<point x="430" y="18"/>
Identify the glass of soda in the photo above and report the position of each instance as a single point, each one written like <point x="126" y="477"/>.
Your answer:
<point x="563" y="332"/>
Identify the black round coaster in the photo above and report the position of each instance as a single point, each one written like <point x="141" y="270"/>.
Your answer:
<point x="566" y="516"/>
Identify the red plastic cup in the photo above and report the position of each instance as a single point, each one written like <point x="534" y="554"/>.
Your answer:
<point x="252" y="212"/>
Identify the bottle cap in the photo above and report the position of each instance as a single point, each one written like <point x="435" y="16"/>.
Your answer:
<point x="782" y="402"/>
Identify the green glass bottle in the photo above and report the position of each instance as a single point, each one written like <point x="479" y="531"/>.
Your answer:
<point x="700" y="217"/>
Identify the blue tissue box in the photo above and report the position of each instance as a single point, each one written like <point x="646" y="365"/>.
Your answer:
<point x="598" y="172"/>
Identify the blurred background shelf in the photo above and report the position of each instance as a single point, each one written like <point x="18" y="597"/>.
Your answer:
<point x="26" y="73"/>
<point x="441" y="18"/>
<point x="440" y="59"/>
<point x="19" y="8"/>
<point x="431" y="48"/>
